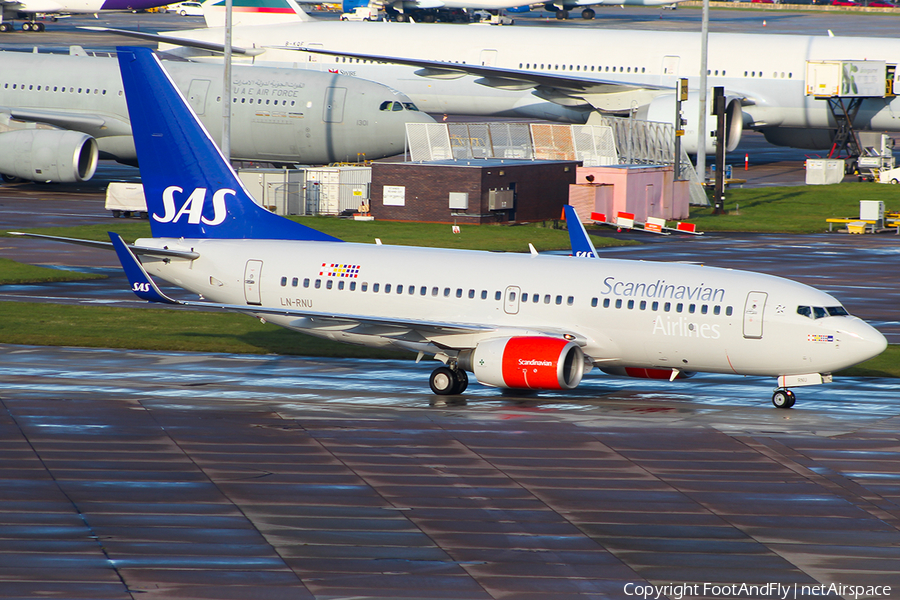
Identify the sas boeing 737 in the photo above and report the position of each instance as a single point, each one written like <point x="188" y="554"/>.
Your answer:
<point x="526" y="321"/>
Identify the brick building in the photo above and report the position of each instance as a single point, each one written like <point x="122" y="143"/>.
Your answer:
<point x="471" y="191"/>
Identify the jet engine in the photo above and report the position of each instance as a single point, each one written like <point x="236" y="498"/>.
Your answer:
<point x="811" y="139"/>
<point x="530" y="362"/>
<point x="662" y="109"/>
<point x="642" y="373"/>
<point x="48" y="155"/>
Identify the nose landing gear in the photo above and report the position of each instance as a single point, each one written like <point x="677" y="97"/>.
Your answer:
<point x="447" y="381"/>
<point x="783" y="398"/>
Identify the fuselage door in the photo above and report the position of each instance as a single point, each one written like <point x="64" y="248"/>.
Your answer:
<point x="669" y="70"/>
<point x="197" y="95"/>
<point x="252" y="273"/>
<point x="511" y="300"/>
<point x="753" y="315"/>
<point x="334" y="104"/>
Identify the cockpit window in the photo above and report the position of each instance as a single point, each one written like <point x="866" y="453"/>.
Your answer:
<point x="818" y="312"/>
<point x="386" y="105"/>
<point x="389" y="105"/>
<point x="410" y="106"/>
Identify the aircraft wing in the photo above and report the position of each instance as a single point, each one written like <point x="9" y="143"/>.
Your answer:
<point x="178" y="41"/>
<point x="85" y="122"/>
<point x="603" y="94"/>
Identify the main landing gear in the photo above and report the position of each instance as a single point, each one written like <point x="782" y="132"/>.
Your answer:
<point x="448" y="381"/>
<point x="783" y="398"/>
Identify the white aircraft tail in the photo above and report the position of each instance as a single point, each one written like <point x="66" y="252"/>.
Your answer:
<point x="254" y="12"/>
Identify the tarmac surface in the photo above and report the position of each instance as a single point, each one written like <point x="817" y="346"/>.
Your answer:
<point x="137" y="474"/>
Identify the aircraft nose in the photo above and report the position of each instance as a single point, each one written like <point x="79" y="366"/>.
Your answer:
<point x="864" y="341"/>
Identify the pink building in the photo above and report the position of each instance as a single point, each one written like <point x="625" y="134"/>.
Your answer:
<point x="644" y="190"/>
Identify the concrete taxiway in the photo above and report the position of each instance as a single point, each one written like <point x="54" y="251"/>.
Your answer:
<point x="173" y="475"/>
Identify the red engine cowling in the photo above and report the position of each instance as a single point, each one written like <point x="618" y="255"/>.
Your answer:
<point x="642" y="373"/>
<point x="529" y="362"/>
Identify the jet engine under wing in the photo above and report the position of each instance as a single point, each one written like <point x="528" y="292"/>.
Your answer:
<point x="603" y="94"/>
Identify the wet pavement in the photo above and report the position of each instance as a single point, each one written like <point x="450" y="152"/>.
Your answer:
<point x="180" y="475"/>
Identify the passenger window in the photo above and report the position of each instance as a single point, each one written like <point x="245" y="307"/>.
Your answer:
<point x="387" y="288"/>
<point x="329" y="284"/>
<point x="352" y="286"/>
<point x="364" y="287"/>
<point x="497" y="295"/>
<point x="717" y="310"/>
<point x="692" y="308"/>
<point x="728" y="311"/>
<point x="446" y="292"/>
<point x="606" y="303"/>
<point x="459" y="292"/>
<point x="667" y="306"/>
<point x="618" y="303"/>
<point x="679" y="307"/>
<point x="434" y="291"/>
<point x="570" y="300"/>
<point x="535" y="298"/>
<point x="283" y="281"/>
<point x="484" y="294"/>
<point x="559" y="300"/>
<point x="340" y="285"/>
<point x="375" y="287"/>
<point x="399" y="289"/>
<point x="547" y="299"/>
<point x="411" y="289"/>
<point x="654" y="306"/>
<point x="630" y="304"/>
<point x="643" y="305"/>
<point x="512" y="296"/>
<point x="594" y="302"/>
<point x="294" y="282"/>
<point x="704" y="309"/>
<point x="318" y="283"/>
<point x="424" y="290"/>
<point x="471" y="293"/>
<point x="805" y="311"/>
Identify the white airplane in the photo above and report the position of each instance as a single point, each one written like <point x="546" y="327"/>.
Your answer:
<point x="279" y="115"/>
<point x="567" y="74"/>
<point x="520" y="321"/>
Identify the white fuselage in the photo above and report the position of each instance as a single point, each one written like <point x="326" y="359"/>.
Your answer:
<point x="768" y="70"/>
<point x="622" y="312"/>
<point x="278" y="114"/>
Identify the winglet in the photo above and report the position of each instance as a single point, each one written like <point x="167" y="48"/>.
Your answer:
<point x="582" y="246"/>
<point x="141" y="284"/>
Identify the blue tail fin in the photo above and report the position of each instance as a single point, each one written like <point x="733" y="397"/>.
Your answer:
<point x="582" y="246"/>
<point x="191" y="190"/>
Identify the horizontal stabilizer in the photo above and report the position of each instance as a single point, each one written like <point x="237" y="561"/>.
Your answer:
<point x="138" y="250"/>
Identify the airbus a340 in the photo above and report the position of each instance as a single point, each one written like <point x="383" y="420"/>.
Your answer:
<point x="513" y="320"/>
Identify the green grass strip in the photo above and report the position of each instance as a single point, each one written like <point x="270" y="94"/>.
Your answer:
<point x="792" y="209"/>
<point x="12" y="272"/>
<point x="163" y="329"/>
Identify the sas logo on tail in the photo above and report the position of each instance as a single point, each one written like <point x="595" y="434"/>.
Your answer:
<point x="193" y="206"/>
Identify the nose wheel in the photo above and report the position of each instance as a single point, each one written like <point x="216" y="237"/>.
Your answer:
<point x="447" y="382"/>
<point x="783" y="398"/>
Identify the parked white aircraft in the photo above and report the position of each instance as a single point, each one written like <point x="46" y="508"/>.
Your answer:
<point x="514" y="320"/>
<point x="565" y="74"/>
<point x="29" y="9"/>
<point x="279" y="115"/>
